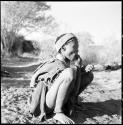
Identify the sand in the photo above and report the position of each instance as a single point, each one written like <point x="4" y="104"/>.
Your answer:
<point x="100" y="102"/>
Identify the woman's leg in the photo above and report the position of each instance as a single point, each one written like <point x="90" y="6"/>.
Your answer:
<point x="58" y="94"/>
<point x="35" y="98"/>
<point x="86" y="79"/>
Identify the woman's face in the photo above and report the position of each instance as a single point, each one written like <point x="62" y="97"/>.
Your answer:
<point x="71" y="49"/>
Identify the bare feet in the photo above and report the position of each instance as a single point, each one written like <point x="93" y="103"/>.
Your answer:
<point x="42" y="117"/>
<point x="63" y="118"/>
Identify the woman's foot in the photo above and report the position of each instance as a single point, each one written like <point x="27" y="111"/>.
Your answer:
<point x="42" y="117"/>
<point x="63" y="118"/>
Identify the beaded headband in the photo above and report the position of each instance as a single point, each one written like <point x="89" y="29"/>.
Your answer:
<point x="63" y="40"/>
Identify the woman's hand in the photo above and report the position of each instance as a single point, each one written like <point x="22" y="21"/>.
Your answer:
<point x="89" y="68"/>
<point x="77" y="61"/>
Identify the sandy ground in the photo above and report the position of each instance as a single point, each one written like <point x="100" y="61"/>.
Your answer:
<point x="100" y="102"/>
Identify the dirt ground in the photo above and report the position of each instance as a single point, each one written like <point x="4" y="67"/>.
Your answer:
<point x="100" y="103"/>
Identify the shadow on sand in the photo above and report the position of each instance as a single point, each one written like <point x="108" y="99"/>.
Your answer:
<point x="93" y="109"/>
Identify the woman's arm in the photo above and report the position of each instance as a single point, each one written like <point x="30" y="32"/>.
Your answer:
<point x="34" y="77"/>
<point x="77" y="61"/>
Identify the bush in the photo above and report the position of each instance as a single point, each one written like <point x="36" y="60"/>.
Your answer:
<point x="108" y="52"/>
<point x="100" y="55"/>
<point x="16" y="45"/>
<point x="47" y="49"/>
<point x="17" y="15"/>
<point x="7" y="38"/>
<point x="88" y="55"/>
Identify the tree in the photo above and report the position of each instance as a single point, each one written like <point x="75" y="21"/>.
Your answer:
<point x="16" y="13"/>
<point x="21" y="14"/>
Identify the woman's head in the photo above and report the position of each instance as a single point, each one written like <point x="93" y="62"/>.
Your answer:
<point x="67" y="45"/>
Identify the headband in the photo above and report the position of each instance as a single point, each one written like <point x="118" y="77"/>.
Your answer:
<point x="63" y="40"/>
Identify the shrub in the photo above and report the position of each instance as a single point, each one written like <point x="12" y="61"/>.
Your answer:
<point x="16" y="45"/>
<point x="7" y="38"/>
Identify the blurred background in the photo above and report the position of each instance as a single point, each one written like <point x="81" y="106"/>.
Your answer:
<point x="29" y="29"/>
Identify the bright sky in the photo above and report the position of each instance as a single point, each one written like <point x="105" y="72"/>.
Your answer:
<point x="100" y="19"/>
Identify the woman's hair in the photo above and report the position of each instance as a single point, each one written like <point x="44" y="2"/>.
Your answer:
<point x="63" y="47"/>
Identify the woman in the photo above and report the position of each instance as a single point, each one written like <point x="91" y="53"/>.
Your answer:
<point x="59" y="81"/>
